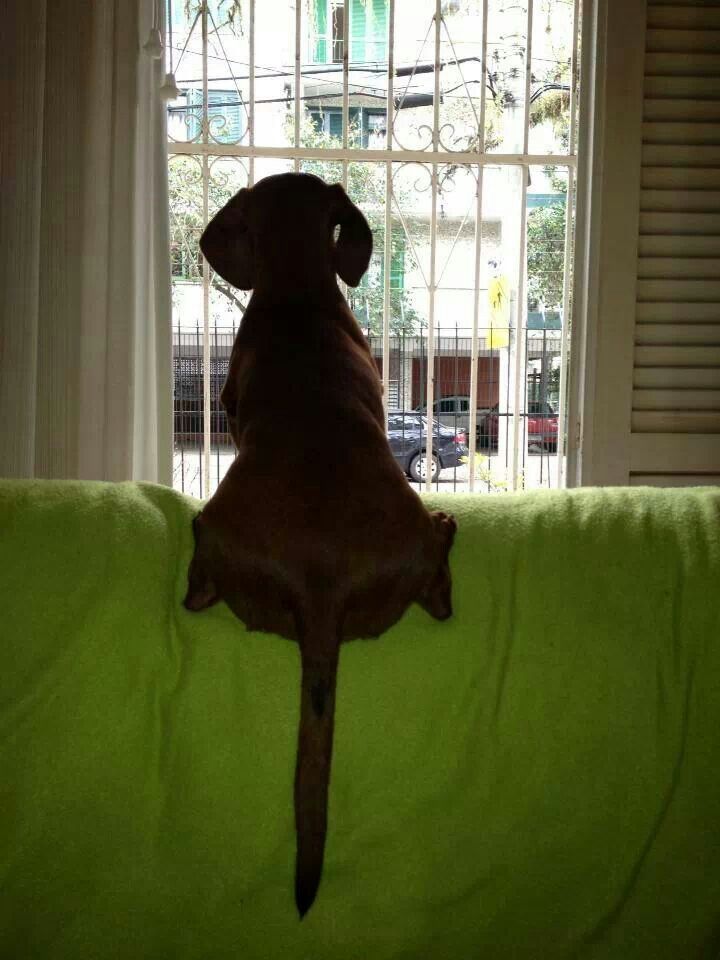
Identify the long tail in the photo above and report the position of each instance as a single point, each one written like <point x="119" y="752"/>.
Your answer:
<point x="314" y="756"/>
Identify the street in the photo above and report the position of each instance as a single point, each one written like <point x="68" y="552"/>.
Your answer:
<point x="539" y="470"/>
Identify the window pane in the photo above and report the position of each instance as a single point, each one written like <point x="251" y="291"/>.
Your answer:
<point x="552" y="44"/>
<point x="471" y="301"/>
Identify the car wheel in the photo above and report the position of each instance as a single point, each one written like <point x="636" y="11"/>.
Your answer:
<point x="419" y="466"/>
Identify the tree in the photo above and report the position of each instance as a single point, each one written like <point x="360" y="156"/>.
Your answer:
<point x="546" y="254"/>
<point x="185" y="192"/>
<point x="550" y="106"/>
<point x="366" y="187"/>
<point x="546" y="225"/>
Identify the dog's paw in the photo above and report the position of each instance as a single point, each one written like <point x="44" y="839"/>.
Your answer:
<point x="437" y="595"/>
<point x="200" y="596"/>
<point x="201" y="591"/>
<point x="445" y="527"/>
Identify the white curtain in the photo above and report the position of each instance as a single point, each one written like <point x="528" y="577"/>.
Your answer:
<point x="85" y="330"/>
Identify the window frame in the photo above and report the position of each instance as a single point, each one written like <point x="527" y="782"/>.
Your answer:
<point x="606" y="231"/>
<point x="329" y="32"/>
<point x="475" y="159"/>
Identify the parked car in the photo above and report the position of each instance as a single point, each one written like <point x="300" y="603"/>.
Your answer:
<point x="407" y="436"/>
<point x="541" y="420"/>
<point x="452" y="412"/>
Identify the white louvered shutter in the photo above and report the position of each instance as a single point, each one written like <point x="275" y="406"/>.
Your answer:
<point x="675" y="424"/>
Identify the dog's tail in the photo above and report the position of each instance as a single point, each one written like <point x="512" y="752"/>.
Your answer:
<point x="319" y="652"/>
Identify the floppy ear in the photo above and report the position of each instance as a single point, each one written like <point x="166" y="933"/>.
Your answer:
<point x="226" y="243"/>
<point x="353" y="248"/>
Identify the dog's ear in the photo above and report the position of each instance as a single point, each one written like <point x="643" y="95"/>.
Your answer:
<point x="353" y="248"/>
<point x="226" y="243"/>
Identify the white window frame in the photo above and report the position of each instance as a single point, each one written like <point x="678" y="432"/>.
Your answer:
<point x="434" y="158"/>
<point x="607" y="217"/>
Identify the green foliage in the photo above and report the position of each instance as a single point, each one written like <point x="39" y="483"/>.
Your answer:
<point x="229" y="12"/>
<point x="546" y="254"/>
<point x="553" y="107"/>
<point x="366" y="188"/>
<point x="185" y="192"/>
<point x="493" y="476"/>
<point x="185" y="204"/>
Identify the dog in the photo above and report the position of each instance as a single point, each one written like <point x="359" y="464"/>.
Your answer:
<point x="319" y="541"/>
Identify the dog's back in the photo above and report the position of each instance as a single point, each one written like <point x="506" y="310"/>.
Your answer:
<point x="314" y="494"/>
<point x="314" y="533"/>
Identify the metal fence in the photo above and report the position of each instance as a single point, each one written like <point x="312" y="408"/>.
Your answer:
<point x="449" y="465"/>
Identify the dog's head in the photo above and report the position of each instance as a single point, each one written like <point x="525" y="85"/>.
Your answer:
<point x="282" y="232"/>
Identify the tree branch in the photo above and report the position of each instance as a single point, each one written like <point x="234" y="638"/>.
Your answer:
<point x="226" y="290"/>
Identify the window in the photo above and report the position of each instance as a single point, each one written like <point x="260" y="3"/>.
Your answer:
<point x="329" y="121"/>
<point x="367" y="32"/>
<point x="367" y="125"/>
<point x="337" y="19"/>
<point x="465" y="173"/>
<point x="223" y="114"/>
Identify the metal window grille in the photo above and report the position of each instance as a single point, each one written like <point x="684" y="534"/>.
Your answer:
<point x="453" y="125"/>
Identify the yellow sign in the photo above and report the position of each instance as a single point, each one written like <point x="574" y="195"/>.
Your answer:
<point x="499" y="296"/>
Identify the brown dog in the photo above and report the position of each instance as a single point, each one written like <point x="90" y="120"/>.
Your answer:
<point x="315" y="552"/>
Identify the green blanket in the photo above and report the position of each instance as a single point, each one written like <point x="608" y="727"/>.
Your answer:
<point x="537" y="778"/>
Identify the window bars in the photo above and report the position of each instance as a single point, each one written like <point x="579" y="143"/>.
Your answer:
<point x="467" y="176"/>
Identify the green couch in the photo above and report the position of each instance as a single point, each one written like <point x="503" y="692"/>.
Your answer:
<point x="539" y="777"/>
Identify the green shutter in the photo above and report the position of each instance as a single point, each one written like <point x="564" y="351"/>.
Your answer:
<point x="329" y="120"/>
<point x="194" y="100"/>
<point x="377" y="30"/>
<point x="320" y="44"/>
<point x="362" y="116"/>
<point x="397" y="266"/>
<point x="358" y="27"/>
<point x="336" y="125"/>
<point x="221" y="103"/>
<point x="224" y="104"/>
<point x="368" y="30"/>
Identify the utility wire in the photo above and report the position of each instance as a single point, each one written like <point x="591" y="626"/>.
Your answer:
<point x="311" y="70"/>
<point x="399" y="101"/>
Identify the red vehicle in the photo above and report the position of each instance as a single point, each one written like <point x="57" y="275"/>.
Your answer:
<point x="541" y="425"/>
